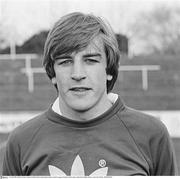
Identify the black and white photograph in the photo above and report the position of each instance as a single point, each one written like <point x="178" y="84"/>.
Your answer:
<point x="89" y="88"/>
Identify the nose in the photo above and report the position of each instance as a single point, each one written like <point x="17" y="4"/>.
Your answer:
<point x="78" y="72"/>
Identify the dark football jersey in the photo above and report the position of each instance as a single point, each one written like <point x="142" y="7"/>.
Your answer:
<point x="121" y="141"/>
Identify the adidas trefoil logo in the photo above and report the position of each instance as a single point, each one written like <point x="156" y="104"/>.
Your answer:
<point x="78" y="169"/>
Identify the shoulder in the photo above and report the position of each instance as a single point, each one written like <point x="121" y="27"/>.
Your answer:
<point x="141" y="123"/>
<point x="148" y="133"/>
<point x="27" y="130"/>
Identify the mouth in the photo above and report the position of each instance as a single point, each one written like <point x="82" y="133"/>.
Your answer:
<point x="80" y="89"/>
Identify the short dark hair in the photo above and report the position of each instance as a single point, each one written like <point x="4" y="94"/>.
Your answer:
<point x="73" y="33"/>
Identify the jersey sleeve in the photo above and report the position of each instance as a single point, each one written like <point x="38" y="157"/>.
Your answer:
<point x="11" y="163"/>
<point x="164" y="160"/>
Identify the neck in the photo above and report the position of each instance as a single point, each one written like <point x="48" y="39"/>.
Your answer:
<point x="99" y="108"/>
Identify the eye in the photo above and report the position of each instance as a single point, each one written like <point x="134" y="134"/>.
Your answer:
<point x="65" y="62"/>
<point x="91" y="61"/>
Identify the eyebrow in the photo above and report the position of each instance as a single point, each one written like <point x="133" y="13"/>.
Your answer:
<point x="92" y="55"/>
<point x="85" y="56"/>
<point x="63" y="57"/>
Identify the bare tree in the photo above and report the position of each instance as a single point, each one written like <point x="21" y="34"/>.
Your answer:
<point x="158" y="29"/>
<point x="2" y="37"/>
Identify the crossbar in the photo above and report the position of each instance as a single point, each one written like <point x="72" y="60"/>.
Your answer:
<point x="139" y="67"/>
<point x="18" y="56"/>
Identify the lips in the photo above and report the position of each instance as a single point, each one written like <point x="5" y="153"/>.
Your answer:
<point x="79" y="89"/>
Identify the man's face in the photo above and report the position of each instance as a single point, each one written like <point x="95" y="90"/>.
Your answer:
<point x="81" y="78"/>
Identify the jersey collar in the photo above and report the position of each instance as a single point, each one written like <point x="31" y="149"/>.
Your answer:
<point x="55" y="107"/>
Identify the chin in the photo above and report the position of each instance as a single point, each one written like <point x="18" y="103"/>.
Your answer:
<point x="80" y="107"/>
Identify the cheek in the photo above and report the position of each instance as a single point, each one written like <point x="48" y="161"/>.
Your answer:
<point x="99" y="77"/>
<point x="61" y="79"/>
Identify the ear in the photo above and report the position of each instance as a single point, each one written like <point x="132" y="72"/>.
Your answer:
<point x="53" y="80"/>
<point x="109" y="77"/>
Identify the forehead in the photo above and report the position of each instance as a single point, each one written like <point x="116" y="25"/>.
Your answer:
<point x="95" y="46"/>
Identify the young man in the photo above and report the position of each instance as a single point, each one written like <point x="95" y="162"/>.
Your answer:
<point x="88" y="131"/>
